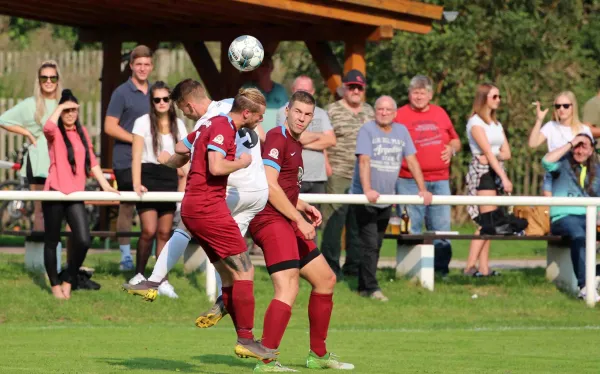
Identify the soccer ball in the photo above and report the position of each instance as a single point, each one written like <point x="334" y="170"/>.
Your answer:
<point x="246" y="53"/>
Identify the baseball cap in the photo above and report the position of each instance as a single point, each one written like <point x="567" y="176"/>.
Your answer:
<point x="354" y="77"/>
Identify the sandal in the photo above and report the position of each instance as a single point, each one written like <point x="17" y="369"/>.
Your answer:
<point x="470" y="272"/>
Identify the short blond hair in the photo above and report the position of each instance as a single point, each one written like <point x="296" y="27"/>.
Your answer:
<point x="185" y="88"/>
<point x="248" y="99"/>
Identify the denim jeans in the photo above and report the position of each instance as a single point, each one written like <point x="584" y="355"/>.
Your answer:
<point x="435" y="217"/>
<point x="573" y="228"/>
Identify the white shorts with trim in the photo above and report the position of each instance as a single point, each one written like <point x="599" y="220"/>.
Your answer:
<point x="243" y="206"/>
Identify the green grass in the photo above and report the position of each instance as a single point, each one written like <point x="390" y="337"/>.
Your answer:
<point x="519" y="323"/>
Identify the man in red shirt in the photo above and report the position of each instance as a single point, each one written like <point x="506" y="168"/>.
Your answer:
<point x="205" y="213"/>
<point x="436" y="143"/>
<point x="286" y="237"/>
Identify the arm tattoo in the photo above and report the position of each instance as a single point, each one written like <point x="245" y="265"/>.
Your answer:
<point x="239" y="262"/>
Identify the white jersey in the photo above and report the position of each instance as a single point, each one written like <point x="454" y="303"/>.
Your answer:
<point x="253" y="177"/>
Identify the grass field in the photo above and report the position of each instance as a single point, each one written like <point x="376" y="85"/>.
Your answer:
<point x="519" y="323"/>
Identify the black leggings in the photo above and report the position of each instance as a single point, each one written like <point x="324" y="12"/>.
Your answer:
<point x="54" y="212"/>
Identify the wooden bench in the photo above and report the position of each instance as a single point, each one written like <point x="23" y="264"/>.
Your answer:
<point x="415" y="257"/>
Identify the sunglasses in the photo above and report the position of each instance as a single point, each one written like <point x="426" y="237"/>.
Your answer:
<point x="352" y="87"/>
<point x="45" y="78"/>
<point x="565" y="106"/>
<point x="157" y="100"/>
<point x="496" y="97"/>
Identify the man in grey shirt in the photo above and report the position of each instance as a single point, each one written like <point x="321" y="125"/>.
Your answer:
<point x="128" y="102"/>
<point x="380" y="147"/>
<point x="315" y="140"/>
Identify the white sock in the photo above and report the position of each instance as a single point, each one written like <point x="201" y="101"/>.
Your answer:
<point x="219" y="283"/>
<point x="169" y="255"/>
<point x="125" y="251"/>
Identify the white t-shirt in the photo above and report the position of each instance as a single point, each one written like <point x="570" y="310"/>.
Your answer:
<point x="558" y="135"/>
<point x="141" y="127"/>
<point x="494" y="133"/>
<point x="252" y="178"/>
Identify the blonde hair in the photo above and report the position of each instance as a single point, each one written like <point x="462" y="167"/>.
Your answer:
<point x="40" y="104"/>
<point x="480" y="103"/>
<point x="576" y="125"/>
<point x="248" y="98"/>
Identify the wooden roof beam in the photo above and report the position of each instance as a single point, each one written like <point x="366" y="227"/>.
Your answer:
<point x="298" y="32"/>
<point x="413" y="8"/>
<point x="206" y="67"/>
<point x="340" y="14"/>
<point x="328" y="65"/>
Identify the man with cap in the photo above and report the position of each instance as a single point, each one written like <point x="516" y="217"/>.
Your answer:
<point x="347" y="116"/>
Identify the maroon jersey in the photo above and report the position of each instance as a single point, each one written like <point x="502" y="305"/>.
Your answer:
<point x="203" y="190"/>
<point x="283" y="153"/>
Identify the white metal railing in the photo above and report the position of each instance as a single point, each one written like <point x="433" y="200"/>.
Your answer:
<point x="591" y="204"/>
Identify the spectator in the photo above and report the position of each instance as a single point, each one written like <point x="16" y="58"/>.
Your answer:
<point x="315" y="140"/>
<point x="129" y="101"/>
<point x="273" y="92"/>
<point x="381" y="147"/>
<point x="71" y="159"/>
<point x="574" y="169"/>
<point x="27" y="118"/>
<point x="347" y="116"/>
<point x="562" y="129"/>
<point x="486" y="176"/>
<point x="436" y="142"/>
<point x="591" y="114"/>
<point x="153" y="133"/>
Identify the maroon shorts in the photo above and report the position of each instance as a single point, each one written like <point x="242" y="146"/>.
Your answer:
<point x="217" y="233"/>
<point x="283" y="244"/>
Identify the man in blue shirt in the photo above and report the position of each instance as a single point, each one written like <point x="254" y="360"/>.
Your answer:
<point x="128" y="102"/>
<point x="575" y="173"/>
<point x="381" y="146"/>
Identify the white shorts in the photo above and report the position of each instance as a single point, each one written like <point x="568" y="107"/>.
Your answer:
<point x="243" y="206"/>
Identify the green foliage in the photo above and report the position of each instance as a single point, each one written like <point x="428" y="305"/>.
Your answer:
<point x="20" y="28"/>
<point x="530" y="49"/>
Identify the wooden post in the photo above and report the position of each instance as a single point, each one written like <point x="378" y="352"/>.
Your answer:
<point x="230" y="76"/>
<point x="111" y="71"/>
<point x="207" y="70"/>
<point x="328" y="65"/>
<point x="355" y="56"/>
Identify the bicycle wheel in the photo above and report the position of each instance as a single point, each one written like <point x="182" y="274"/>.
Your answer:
<point x="15" y="215"/>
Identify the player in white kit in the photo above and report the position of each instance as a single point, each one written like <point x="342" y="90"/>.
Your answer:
<point x="247" y="189"/>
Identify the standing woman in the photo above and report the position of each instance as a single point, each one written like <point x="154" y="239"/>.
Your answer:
<point x="153" y="133"/>
<point x="71" y="159"/>
<point x="486" y="176"/>
<point x="27" y="118"/>
<point x="563" y="128"/>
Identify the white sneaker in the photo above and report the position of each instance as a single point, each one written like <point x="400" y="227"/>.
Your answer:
<point x="166" y="289"/>
<point x="139" y="277"/>
<point x="583" y="294"/>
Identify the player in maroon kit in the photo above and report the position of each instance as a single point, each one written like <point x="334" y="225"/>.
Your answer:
<point x="286" y="239"/>
<point x="205" y="213"/>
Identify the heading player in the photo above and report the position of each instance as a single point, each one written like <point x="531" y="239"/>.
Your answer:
<point x="206" y="215"/>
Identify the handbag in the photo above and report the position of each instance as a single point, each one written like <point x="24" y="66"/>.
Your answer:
<point x="538" y="219"/>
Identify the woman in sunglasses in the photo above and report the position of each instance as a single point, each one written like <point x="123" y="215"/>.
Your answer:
<point x="71" y="160"/>
<point x="563" y="128"/>
<point x="153" y="133"/>
<point x="27" y="118"/>
<point x="486" y="176"/>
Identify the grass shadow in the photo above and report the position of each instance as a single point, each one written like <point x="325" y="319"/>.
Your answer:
<point x="216" y="359"/>
<point x="513" y="277"/>
<point x="153" y="364"/>
<point x="193" y="280"/>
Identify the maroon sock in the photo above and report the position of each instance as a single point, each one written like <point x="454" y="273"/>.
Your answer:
<point x="228" y="301"/>
<point x="319" y="315"/>
<point x="243" y="305"/>
<point x="277" y="317"/>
